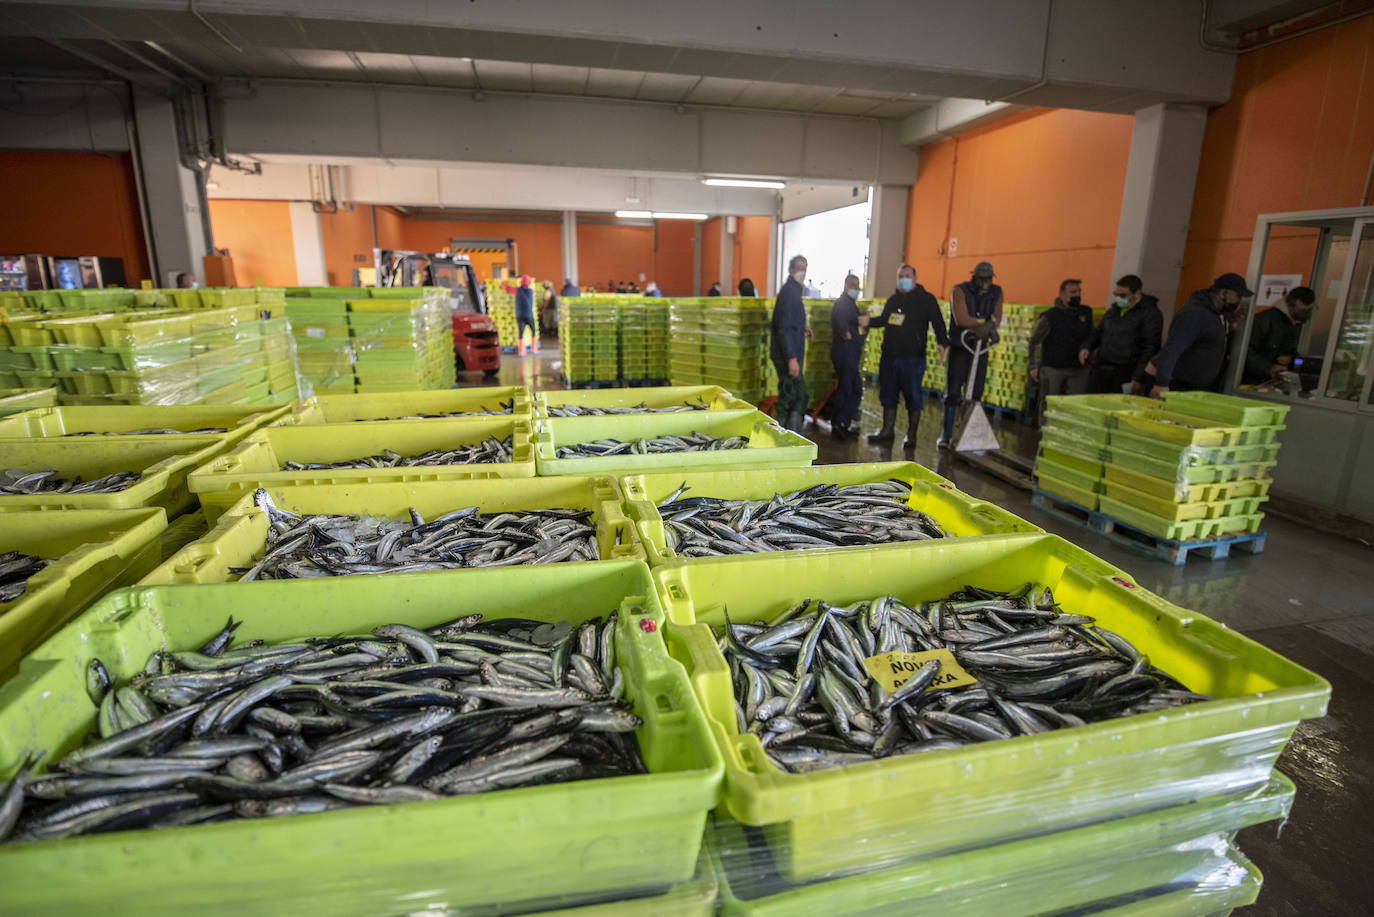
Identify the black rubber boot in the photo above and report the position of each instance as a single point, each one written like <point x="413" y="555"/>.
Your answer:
<point x="886" y="435"/>
<point x="913" y="421"/>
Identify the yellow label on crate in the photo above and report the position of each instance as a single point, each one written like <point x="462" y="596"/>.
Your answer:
<point x="145" y="284"/>
<point x="896" y="318"/>
<point x="891" y="670"/>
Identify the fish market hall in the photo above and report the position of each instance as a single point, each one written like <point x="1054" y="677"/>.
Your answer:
<point x="620" y="459"/>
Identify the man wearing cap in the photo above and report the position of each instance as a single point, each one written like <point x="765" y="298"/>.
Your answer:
<point x="1193" y="353"/>
<point x="975" y="311"/>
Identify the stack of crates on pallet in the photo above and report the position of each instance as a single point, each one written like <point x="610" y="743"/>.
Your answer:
<point x="734" y="345"/>
<point x="1197" y="468"/>
<point x="436" y="337"/>
<point x="388" y="336"/>
<point x="1073" y="440"/>
<point x="656" y="338"/>
<point x="633" y="329"/>
<point x="873" y="340"/>
<point x="501" y="308"/>
<point x="820" y="370"/>
<point x="589" y="336"/>
<point x="686" y="327"/>
<point x="1009" y="359"/>
<point x="320" y="333"/>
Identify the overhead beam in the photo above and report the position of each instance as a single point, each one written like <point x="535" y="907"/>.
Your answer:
<point x="948" y="117"/>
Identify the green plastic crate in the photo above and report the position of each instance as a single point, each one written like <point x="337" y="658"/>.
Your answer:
<point x="1187" y="493"/>
<point x="1073" y="461"/>
<point x="1066" y="872"/>
<point x="1166" y="510"/>
<point x="17" y="400"/>
<point x="770" y="445"/>
<point x="1230" y="409"/>
<point x="717" y="398"/>
<point x="1192" y="431"/>
<point x="1068" y="474"/>
<point x="1096" y="410"/>
<point x="1073" y="491"/>
<point x="1184" y="475"/>
<point x="956" y="512"/>
<point x="92" y="552"/>
<point x="1121" y="439"/>
<point x="66" y="421"/>
<point x="1190" y="530"/>
<point x="164" y="466"/>
<point x="572" y="839"/>
<point x="240" y="533"/>
<point x="847" y="818"/>
<point x="257" y="460"/>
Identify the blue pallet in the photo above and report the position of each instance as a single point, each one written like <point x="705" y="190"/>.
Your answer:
<point x="1128" y="536"/>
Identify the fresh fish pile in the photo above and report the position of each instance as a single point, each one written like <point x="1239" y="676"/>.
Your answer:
<point x="824" y="516"/>
<point x="692" y="442"/>
<point x="401" y="715"/>
<point x="151" y="432"/>
<point x="488" y="450"/>
<point x="20" y="481"/>
<point x="15" y="571"/>
<point x="299" y="546"/>
<point x="579" y="410"/>
<point x="802" y="688"/>
<point x="507" y="407"/>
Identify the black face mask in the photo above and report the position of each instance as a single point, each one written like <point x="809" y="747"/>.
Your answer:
<point x="1075" y="300"/>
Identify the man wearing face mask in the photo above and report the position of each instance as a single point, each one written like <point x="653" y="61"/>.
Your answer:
<point x="846" y="346"/>
<point x="1055" y="342"/>
<point x="788" y="347"/>
<point x="907" y="315"/>
<point x="1192" y="356"/>
<point x="1275" y="335"/>
<point x="1128" y="335"/>
<point x="975" y="308"/>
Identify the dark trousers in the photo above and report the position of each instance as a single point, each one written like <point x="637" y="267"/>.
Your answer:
<point x="957" y="376"/>
<point x="900" y="378"/>
<point x="523" y="321"/>
<point x="1109" y="378"/>
<point x="849" y="387"/>
<point x="792" y="394"/>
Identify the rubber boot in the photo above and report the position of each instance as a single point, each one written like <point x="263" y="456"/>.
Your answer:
<point x="913" y="421"/>
<point x="886" y="434"/>
<point x="798" y="421"/>
<point x="947" y="436"/>
<point x="534" y="344"/>
<point x="520" y="345"/>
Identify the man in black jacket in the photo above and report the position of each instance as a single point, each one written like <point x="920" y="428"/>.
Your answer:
<point x="1275" y="336"/>
<point x="847" y="322"/>
<point x="1055" y="343"/>
<point x="908" y="315"/>
<point x="788" y="347"/>
<point x="1127" y="337"/>
<point x="1192" y="356"/>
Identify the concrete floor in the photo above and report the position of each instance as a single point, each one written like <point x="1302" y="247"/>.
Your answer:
<point x="1308" y="596"/>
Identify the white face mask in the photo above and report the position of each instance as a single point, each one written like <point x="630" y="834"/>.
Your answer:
<point x="855" y="293"/>
<point x="799" y="277"/>
<point x="1120" y="301"/>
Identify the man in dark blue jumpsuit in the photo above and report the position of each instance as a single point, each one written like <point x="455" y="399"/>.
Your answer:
<point x="908" y="315"/>
<point x="846" y="349"/>
<point x="788" y="347"/>
<point x="975" y="308"/>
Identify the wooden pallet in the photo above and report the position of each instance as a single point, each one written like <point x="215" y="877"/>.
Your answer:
<point x="591" y="383"/>
<point x="1128" y="536"/>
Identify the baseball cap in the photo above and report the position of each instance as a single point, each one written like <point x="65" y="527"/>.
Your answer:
<point x="1233" y="282"/>
<point x="984" y="269"/>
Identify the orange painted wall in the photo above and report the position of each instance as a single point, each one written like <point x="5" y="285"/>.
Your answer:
<point x="673" y="261"/>
<point x="258" y="236"/>
<point x="390" y="228"/>
<point x="1297" y="134"/>
<point x="539" y="245"/>
<point x="610" y="251"/>
<point x="344" y="235"/>
<point x="710" y="258"/>
<point x="73" y="204"/>
<point x="751" y="252"/>
<point x="1037" y="194"/>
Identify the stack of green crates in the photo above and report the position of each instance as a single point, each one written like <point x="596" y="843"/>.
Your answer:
<point x="686" y="325"/>
<point x="1009" y="359"/>
<point x="589" y="335"/>
<point x="656" y="338"/>
<point x="324" y="348"/>
<point x="1196" y="468"/>
<point x="269" y="363"/>
<point x="734" y="345"/>
<point x="1073" y="441"/>
<point x="633" y="329"/>
<point x="436" y="335"/>
<point x="819" y="371"/>
<point x="388" y="344"/>
<point x="501" y="308"/>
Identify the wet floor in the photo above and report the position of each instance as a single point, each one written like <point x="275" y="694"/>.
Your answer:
<point x="1308" y="596"/>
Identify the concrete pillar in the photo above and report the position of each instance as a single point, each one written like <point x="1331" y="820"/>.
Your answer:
<point x="570" y="245"/>
<point x="886" y="238"/>
<point x="771" y="286"/>
<point x="729" y="227"/>
<point x="309" y="246"/>
<point x="179" y="221"/>
<point x="696" y="260"/>
<point x="1166" y="144"/>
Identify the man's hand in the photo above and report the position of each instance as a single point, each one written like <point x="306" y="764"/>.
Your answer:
<point x="1035" y="374"/>
<point x="1278" y="368"/>
<point x="793" y="368"/>
<point x="944" y="352"/>
<point x="1285" y="360"/>
<point x="809" y="334"/>
<point x="1083" y="357"/>
<point x="1150" y="369"/>
<point x="1158" y="391"/>
<point x="848" y="336"/>
<point x="1135" y="387"/>
<point x="863" y="320"/>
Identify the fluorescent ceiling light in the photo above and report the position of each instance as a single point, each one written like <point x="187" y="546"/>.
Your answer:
<point x="634" y="214"/>
<point x="742" y="183"/>
<point x="678" y="216"/>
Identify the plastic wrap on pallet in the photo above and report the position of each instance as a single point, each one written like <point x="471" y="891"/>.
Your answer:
<point x="955" y="795"/>
<point x="521" y="850"/>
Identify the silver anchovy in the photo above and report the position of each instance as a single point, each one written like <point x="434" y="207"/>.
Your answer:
<point x="581" y="410"/>
<point x="486" y="451"/>
<point x="20" y="481"/>
<point x="691" y="442"/>
<point x="15" y="572"/>
<point x="506" y="407"/>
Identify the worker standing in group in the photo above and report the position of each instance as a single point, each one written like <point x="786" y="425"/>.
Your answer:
<point x="1055" y="343"/>
<point x="1191" y="357"/>
<point x="788" y="347"/>
<point x="570" y="288"/>
<point x="975" y="311"/>
<point x="908" y="316"/>
<point x="1275" y="336"/>
<point x="524" y="314"/>
<point x="1125" y="339"/>
<point x="846" y="347"/>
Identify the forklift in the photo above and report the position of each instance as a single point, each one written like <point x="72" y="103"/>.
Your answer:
<point x="475" y="344"/>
